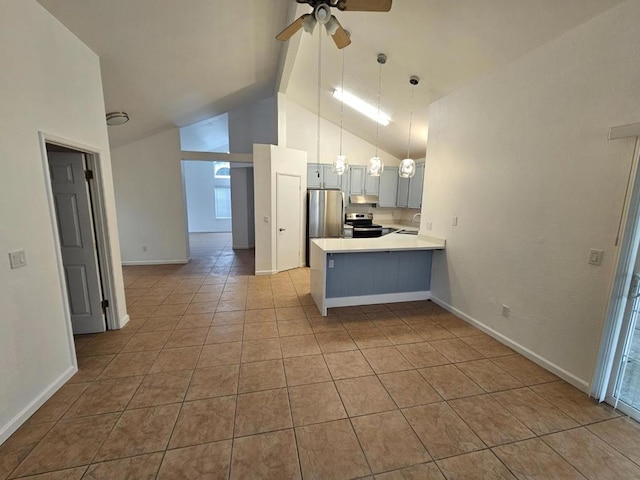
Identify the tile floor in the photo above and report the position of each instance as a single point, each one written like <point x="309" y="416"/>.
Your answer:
<point x="220" y="374"/>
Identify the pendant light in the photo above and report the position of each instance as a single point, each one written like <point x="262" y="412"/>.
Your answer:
<point x="340" y="164"/>
<point x="408" y="165"/>
<point x="376" y="166"/>
<point x="319" y="96"/>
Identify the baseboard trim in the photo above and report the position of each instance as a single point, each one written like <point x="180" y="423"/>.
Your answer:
<point x="266" y="272"/>
<point x="123" y="321"/>
<point x="7" y="430"/>
<point x="156" y="262"/>
<point x="375" y="299"/>
<point x="534" y="357"/>
<point x="242" y="247"/>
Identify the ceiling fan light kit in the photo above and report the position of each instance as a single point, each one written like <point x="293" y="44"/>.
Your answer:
<point x="117" y="118"/>
<point x="408" y="165"/>
<point x="322" y="15"/>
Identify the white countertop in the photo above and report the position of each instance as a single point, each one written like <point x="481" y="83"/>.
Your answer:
<point x="390" y="242"/>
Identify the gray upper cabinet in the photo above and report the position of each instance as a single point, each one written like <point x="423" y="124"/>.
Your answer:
<point x="322" y="176"/>
<point x="332" y="179"/>
<point x="415" y="187"/>
<point x="402" y="200"/>
<point x="410" y="189"/>
<point x="388" y="191"/>
<point x="360" y="183"/>
<point x="357" y="174"/>
<point x="371" y="184"/>
<point x="314" y="175"/>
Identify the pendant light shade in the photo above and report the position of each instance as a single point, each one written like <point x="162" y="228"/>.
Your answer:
<point x="340" y="165"/>
<point x="407" y="168"/>
<point x="376" y="165"/>
<point x="408" y="165"/>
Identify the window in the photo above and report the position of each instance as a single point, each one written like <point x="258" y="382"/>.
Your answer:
<point x="222" y="170"/>
<point x="222" y="202"/>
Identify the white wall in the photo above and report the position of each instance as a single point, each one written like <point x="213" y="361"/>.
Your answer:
<point x="210" y="135"/>
<point x="50" y="82"/>
<point x="254" y="123"/>
<point x="521" y="157"/>
<point x="150" y="200"/>
<point x="200" y="185"/>
<point x="301" y="133"/>
<point x="243" y="221"/>
<point x="268" y="161"/>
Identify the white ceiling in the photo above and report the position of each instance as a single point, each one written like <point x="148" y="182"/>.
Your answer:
<point x="175" y="62"/>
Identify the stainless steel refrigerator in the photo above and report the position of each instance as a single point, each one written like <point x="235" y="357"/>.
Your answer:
<point x="325" y="215"/>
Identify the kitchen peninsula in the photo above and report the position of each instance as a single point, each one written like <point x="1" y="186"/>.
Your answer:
<point x="363" y="271"/>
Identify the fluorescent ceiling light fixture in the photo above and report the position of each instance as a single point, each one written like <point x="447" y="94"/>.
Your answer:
<point x="361" y="106"/>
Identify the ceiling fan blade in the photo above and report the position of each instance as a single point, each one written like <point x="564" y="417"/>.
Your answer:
<point x="364" y="5"/>
<point x="341" y="38"/>
<point x="288" y="32"/>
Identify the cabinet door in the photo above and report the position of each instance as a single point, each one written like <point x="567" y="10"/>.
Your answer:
<point x="371" y="184"/>
<point x="314" y="175"/>
<point x="403" y="192"/>
<point x="415" y="187"/>
<point x="356" y="179"/>
<point x="388" y="187"/>
<point x="331" y="179"/>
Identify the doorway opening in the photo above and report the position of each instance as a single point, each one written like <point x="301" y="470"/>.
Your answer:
<point x="74" y="184"/>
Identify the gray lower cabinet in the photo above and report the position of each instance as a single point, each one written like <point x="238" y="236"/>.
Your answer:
<point x="378" y="273"/>
<point x="388" y="191"/>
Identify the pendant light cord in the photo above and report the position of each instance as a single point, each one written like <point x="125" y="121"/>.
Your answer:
<point x="410" y="120"/>
<point x="342" y="103"/>
<point x="378" y="118"/>
<point x="319" y="91"/>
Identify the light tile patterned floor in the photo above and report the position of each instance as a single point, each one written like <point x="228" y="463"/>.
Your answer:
<point x="220" y="374"/>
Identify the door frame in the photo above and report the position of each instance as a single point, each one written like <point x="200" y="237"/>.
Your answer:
<point x="93" y="156"/>
<point x="301" y="222"/>
<point x="609" y="354"/>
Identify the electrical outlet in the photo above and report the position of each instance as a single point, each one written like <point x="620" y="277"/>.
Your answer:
<point x="17" y="259"/>
<point x="455" y="221"/>
<point x="506" y="310"/>
<point x="267" y="219"/>
<point x="330" y="263"/>
<point x="144" y="248"/>
<point x="429" y="225"/>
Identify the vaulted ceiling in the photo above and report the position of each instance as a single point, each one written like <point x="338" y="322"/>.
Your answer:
<point x="172" y="63"/>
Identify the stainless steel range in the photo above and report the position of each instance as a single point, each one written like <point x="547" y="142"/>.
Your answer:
<point x="363" y="225"/>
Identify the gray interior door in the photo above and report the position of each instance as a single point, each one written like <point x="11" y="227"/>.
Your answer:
<point x="77" y="241"/>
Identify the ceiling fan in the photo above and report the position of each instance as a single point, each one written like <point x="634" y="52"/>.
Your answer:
<point x="322" y="15"/>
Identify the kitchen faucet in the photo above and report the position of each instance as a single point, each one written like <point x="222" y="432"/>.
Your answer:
<point x="413" y="219"/>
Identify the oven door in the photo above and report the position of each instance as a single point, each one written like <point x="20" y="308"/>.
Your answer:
<point x="367" y="232"/>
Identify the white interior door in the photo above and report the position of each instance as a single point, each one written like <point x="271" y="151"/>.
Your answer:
<point x="288" y="211"/>
<point x="77" y="241"/>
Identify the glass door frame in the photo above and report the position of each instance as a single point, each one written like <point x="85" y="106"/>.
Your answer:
<point x="613" y="342"/>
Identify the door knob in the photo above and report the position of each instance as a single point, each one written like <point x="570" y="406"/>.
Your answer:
<point x="282" y="229"/>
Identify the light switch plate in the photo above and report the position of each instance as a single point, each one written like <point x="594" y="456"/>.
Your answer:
<point x="595" y="256"/>
<point x="17" y="259"/>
